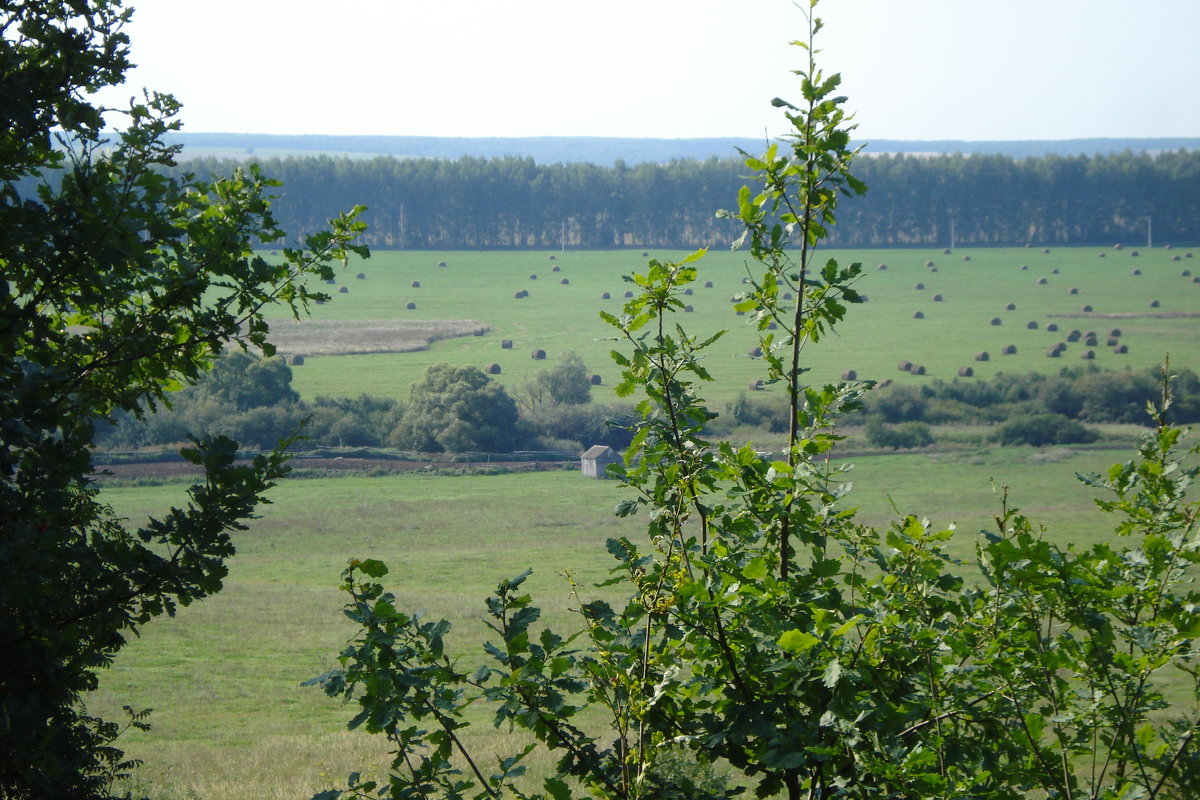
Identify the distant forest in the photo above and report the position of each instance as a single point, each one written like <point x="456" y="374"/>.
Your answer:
<point x="515" y="202"/>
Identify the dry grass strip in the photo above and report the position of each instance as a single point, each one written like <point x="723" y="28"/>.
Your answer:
<point x="356" y="337"/>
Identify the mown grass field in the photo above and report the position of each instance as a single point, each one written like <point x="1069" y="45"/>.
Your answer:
<point x="231" y="720"/>
<point x="975" y="285"/>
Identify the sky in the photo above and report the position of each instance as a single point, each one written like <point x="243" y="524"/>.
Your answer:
<point x="917" y="69"/>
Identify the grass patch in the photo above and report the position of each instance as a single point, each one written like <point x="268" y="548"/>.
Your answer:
<point x="318" y="337"/>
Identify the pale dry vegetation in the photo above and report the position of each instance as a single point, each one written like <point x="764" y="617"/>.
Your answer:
<point x="311" y="337"/>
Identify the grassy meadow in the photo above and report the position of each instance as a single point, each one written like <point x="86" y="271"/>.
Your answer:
<point x="475" y="290"/>
<point x="231" y="720"/>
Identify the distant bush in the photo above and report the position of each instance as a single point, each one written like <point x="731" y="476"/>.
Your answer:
<point x="905" y="436"/>
<point x="1039" y="430"/>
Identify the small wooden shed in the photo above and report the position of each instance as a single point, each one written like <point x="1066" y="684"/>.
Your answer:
<point x="595" y="459"/>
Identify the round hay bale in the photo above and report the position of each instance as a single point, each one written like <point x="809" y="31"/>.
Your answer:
<point x="1154" y="304"/>
<point x="1102" y="255"/>
<point x="1024" y="266"/>
<point x="416" y="284"/>
<point x="1168" y="247"/>
<point x="441" y="263"/>
<point x="1187" y="273"/>
<point x="330" y="282"/>
<point x="946" y="252"/>
<point x="296" y="360"/>
<point x="1029" y="244"/>
<point x="553" y="257"/>
<point x="518" y="295"/>
<point x="1188" y="254"/>
<point x="1011" y="307"/>
<point x="343" y="290"/>
<point x="920" y="286"/>
<point x="1088" y="355"/>
<point x="756" y="385"/>
<point x="849" y="375"/>
<point x="772" y="326"/>
<point x="1053" y="352"/>
<point x="533" y="277"/>
<point x="929" y="263"/>
<point x="506" y="344"/>
<point x="966" y="258"/>
<point x="1118" y="246"/>
<point x="1115" y="332"/>
<point x="688" y="291"/>
<point x="1031" y="325"/>
<point x="862" y="298"/>
<point x="1073" y="290"/>
<point x="1176" y="257"/>
<point x="1134" y="253"/>
<point x="883" y="266"/>
<point x="605" y="296"/>
<point x="905" y="366"/>
<point x="918" y="315"/>
<point x="362" y="276"/>
<point x="1090" y="341"/>
<point x="741" y="313"/>
<point x="965" y="372"/>
<point x="745" y="280"/>
<point x="688" y="309"/>
<point x="755" y="352"/>
<point x="1074" y="336"/>
<point x="538" y="355"/>
<point x="983" y="356"/>
<point x="1054" y="271"/>
<point x="1042" y="281"/>
<point x="734" y="299"/>
<point x="933" y="269"/>
<point x="918" y="369"/>
<point x="565" y="281"/>
<point x="1053" y="326"/>
<point x="493" y="369"/>
<point x="1087" y="309"/>
<point x="596" y="379"/>
<point x="996" y="320"/>
<point x="1121" y="349"/>
<point x="479" y="332"/>
<point x="787" y="295"/>
<point x="1196" y="279"/>
<point x="1112" y="341"/>
<point x="1009" y="350"/>
<point x="410" y="306"/>
<point x="1045" y="251"/>
<point x="708" y="284"/>
<point x="883" y="384"/>
<point x="1136" y="272"/>
<point x="320" y="302"/>
<point x="628" y="295"/>
<point x="556" y="268"/>
<point x="645" y="254"/>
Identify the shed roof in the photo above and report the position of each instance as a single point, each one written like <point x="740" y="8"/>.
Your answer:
<point x="595" y="451"/>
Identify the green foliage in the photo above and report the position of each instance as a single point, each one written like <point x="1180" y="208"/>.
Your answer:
<point x="1043" y="429"/>
<point x="457" y="409"/>
<point x="118" y="284"/>
<point x="566" y="383"/>
<point x="906" y="435"/>
<point x="765" y="629"/>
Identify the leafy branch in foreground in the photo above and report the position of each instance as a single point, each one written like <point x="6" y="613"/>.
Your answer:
<point x="766" y="632"/>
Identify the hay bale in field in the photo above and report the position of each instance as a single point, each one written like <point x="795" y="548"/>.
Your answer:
<point x="556" y="268"/>
<point x="1188" y="254"/>
<point x="330" y="282"/>
<point x="1042" y="281"/>
<point x="1102" y="255"/>
<point x="533" y="277"/>
<point x="320" y="302"/>
<point x="520" y="294"/>
<point x="849" y="375"/>
<point x="933" y="269"/>
<point x="883" y="384"/>
<point x="1072" y="290"/>
<point x="929" y="263"/>
<point x="596" y="379"/>
<point x="493" y="369"/>
<point x="553" y="257"/>
<point x="1154" y="304"/>
<point x="1024" y="266"/>
<point x="755" y="352"/>
<point x="605" y="296"/>
<point x="1176" y="257"/>
<point x="1168" y="247"/>
<point x="688" y="309"/>
<point x="745" y="280"/>
<point x="920" y="286"/>
<point x="416" y="284"/>
<point x="1112" y="341"/>
<point x="1045" y="251"/>
<point x="1091" y="341"/>
<point x="1187" y="273"/>
<point x="628" y="295"/>
<point x="965" y="372"/>
<point x="1011" y="307"/>
<point x="966" y="258"/>
<point x="771" y="326"/>
<point x="1028" y="244"/>
<point x="565" y="281"/>
<point x="1134" y="253"/>
<point x="883" y="266"/>
<point x="441" y="263"/>
<point x="538" y="355"/>
<point x="1087" y="309"/>
<point x="918" y="369"/>
<point x="296" y="360"/>
<point x="918" y="315"/>
<point x="983" y="355"/>
<point x="735" y="298"/>
<point x="1118" y="246"/>
<point x="1053" y="326"/>
<point x="1074" y="335"/>
<point x="343" y="290"/>
<point x="905" y="366"/>
<point x="362" y="276"/>
<point x="506" y="344"/>
<point x="787" y="295"/>
<point x="996" y="320"/>
<point x="1121" y="349"/>
<point x="1009" y="350"/>
<point x="688" y="291"/>
<point x="410" y="306"/>
<point x="1031" y="325"/>
<point x="479" y="332"/>
<point x="741" y="313"/>
<point x="946" y="251"/>
<point x="645" y="254"/>
<point x="756" y="385"/>
<point x="1196" y="279"/>
<point x="1055" y="351"/>
<point x="708" y="284"/>
<point x="1115" y="332"/>
<point x="1136" y="272"/>
<point x="1088" y="355"/>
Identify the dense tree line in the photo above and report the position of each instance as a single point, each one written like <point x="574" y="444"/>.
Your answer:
<point x="518" y="203"/>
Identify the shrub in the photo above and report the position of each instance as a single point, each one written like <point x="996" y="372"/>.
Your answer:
<point x="1039" y="430"/>
<point x="906" y="435"/>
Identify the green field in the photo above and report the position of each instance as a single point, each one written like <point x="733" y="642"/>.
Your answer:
<point x="556" y="317"/>
<point x="231" y="720"/>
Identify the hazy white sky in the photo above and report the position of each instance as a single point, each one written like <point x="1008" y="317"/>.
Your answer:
<point x="913" y="69"/>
